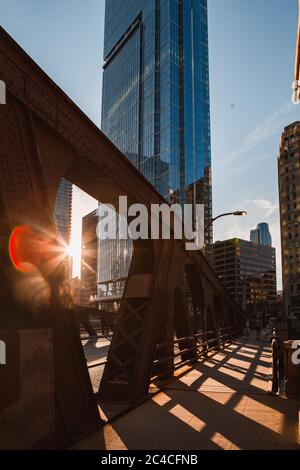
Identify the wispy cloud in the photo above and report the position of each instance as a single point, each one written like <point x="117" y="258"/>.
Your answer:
<point x="246" y="164"/>
<point x="272" y="125"/>
<point x="267" y="207"/>
<point x="259" y="210"/>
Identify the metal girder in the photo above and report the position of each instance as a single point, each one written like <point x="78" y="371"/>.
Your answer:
<point x="131" y="354"/>
<point x="45" y="137"/>
<point x="27" y="390"/>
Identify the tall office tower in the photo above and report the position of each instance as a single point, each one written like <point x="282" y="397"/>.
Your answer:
<point x="63" y="216"/>
<point x="261" y="235"/>
<point x="289" y="199"/>
<point x="155" y="104"/>
<point x="113" y="259"/>
<point x="248" y="271"/>
<point x="63" y="210"/>
<point x="89" y="258"/>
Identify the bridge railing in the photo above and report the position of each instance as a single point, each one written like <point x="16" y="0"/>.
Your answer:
<point x="277" y="367"/>
<point x="202" y="343"/>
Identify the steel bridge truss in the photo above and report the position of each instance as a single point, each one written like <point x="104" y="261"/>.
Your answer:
<point x="45" y="137"/>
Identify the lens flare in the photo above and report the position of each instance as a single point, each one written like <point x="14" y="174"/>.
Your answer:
<point x="44" y="258"/>
<point x="19" y="249"/>
<point x="30" y="250"/>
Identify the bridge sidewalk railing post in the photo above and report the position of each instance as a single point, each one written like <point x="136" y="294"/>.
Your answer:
<point x="274" y="374"/>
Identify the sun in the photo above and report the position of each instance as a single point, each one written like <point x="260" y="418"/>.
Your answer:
<point x="71" y="251"/>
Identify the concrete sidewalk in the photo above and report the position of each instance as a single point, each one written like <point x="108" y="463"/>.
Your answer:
<point x="221" y="403"/>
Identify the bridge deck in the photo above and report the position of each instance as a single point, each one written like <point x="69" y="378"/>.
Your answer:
<point x="221" y="403"/>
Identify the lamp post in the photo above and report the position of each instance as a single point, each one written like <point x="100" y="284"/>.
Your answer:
<point x="211" y="221"/>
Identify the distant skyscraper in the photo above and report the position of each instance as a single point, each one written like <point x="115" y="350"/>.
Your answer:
<point x="113" y="259"/>
<point x="155" y="104"/>
<point x="289" y="198"/>
<point x="63" y="216"/>
<point x="261" y="235"/>
<point x="63" y="210"/>
<point x="89" y="257"/>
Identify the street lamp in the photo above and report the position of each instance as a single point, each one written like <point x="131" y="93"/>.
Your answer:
<point x="211" y="221"/>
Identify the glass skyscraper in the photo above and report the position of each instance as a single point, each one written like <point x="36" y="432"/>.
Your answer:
<point x="261" y="235"/>
<point x="63" y="210"/>
<point x="155" y="104"/>
<point x="63" y="216"/>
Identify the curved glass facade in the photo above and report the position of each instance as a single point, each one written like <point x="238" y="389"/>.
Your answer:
<point x="261" y="235"/>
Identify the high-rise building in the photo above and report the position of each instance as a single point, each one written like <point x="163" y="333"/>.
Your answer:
<point x="261" y="235"/>
<point x="289" y="199"/>
<point x="89" y="258"/>
<point x="155" y="104"/>
<point x="63" y="210"/>
<point x="113" y="257"/>
<point x="63" y="217"/>
<point x="248" y="271"/>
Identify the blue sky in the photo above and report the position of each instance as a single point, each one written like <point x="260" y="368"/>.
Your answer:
<point x="252" y="46"/>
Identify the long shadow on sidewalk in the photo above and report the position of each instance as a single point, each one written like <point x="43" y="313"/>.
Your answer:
<point x="221" y="403"/>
